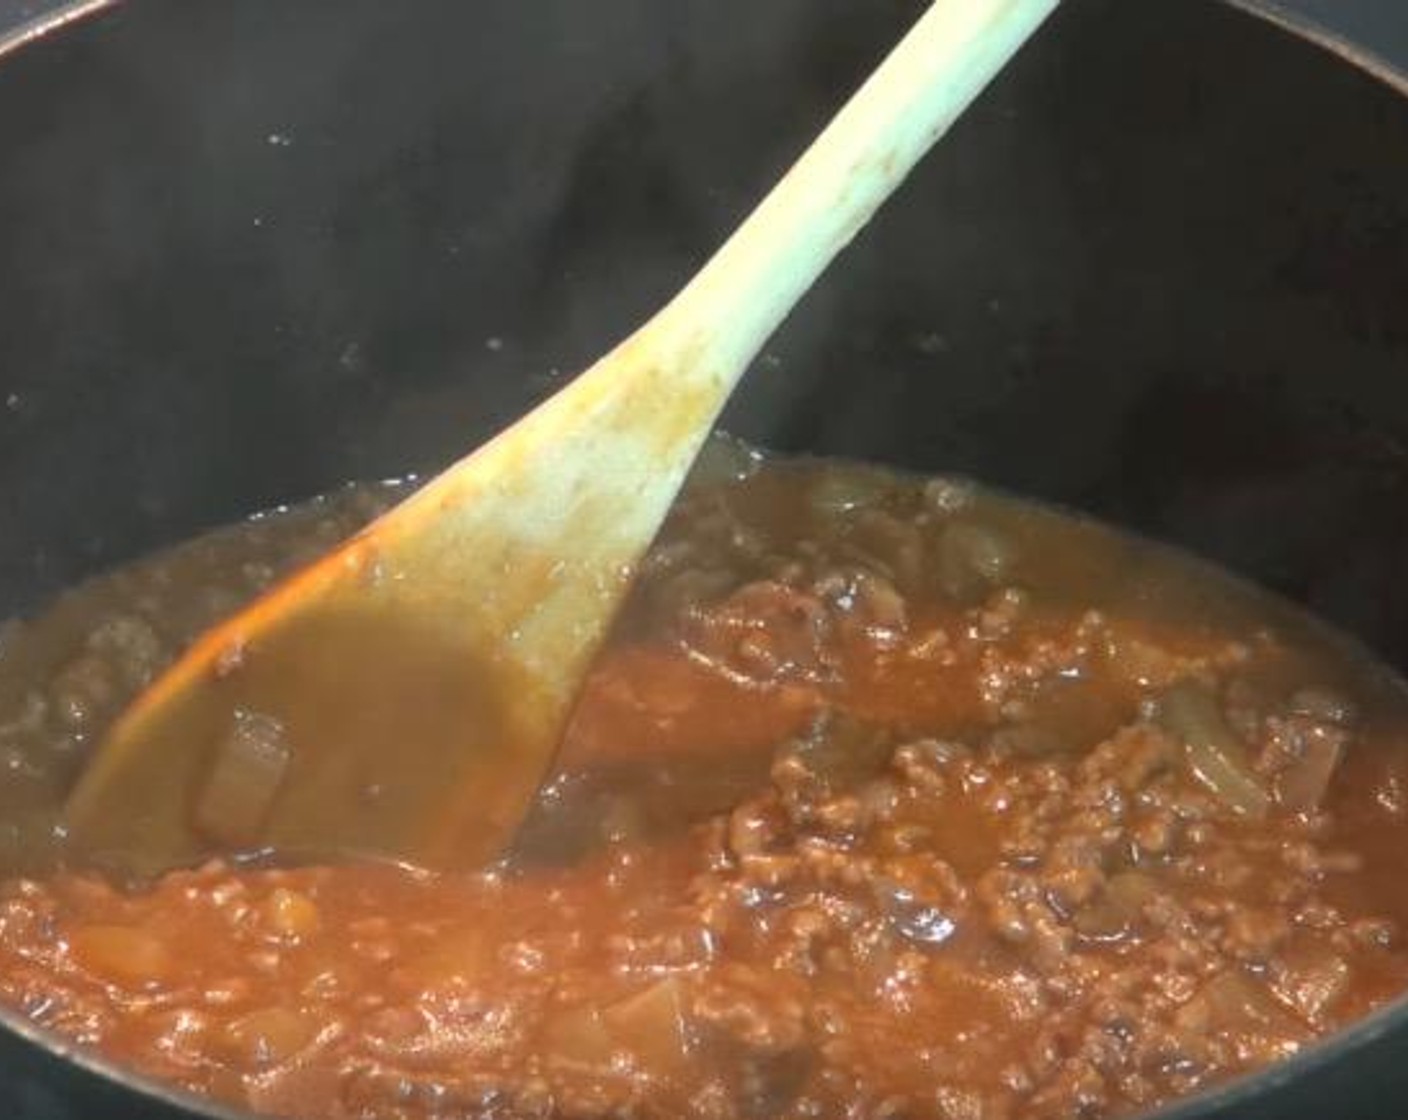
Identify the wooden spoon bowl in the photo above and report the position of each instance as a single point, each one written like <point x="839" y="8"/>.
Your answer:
<point x="403" y="696"/>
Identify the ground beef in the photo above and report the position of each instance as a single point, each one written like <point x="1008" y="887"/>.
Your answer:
<point x="888" y="800"/>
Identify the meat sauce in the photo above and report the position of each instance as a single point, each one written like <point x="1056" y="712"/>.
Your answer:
<point x="890" y="798"/>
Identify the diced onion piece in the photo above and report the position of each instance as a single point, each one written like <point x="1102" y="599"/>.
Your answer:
<point x="1138" y="661"/>
<point x="123" y="955"/>
<point x="291" y="914"/>
<point x="1325" y="706"/>
<point x="1303" y="784"/>
<point x="1029" y="740"/>
<point x="1215" y="754"/>
<point x="269" y="1036"/>
<point x="651" y="1026"/>
<point x="890" y="542"/>
<point x="1119" y="907"/>
<point x="949" y="495"/>
<point x="972" y="559"/>
<point x="248" y="770"/>
<point x="850" y="487"/>
<point x="460" y="959"/>
<point x="1232" y="1001"/>
<point x="1311" y="980"/>
<point x="578" y="1037"/>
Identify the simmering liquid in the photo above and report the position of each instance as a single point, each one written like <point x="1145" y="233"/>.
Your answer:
<point x="890" y="797"/>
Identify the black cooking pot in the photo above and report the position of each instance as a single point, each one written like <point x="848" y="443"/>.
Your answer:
<point x="252" y="249"/>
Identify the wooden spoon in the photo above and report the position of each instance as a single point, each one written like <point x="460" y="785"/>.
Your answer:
<point x="404" y="695"/>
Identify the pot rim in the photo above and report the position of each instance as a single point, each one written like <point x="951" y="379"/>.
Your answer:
<point x="55" y="19"/>
<point x="1237" y="1090"/>
<point x="1326" y="38"/>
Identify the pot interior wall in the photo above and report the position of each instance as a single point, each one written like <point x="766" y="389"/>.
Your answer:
<point x="254" y="249"/>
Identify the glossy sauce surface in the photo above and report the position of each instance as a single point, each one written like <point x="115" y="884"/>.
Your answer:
<point x="889" y="798"/>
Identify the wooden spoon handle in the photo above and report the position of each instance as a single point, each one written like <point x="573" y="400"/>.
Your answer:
<point x="727" y="313"/>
